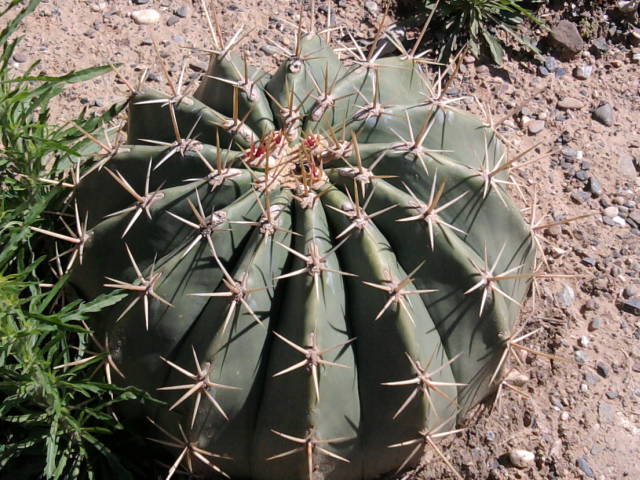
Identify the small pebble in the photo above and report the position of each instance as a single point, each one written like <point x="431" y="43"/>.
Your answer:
<point x="604" y="114"/>
<point x="517" y="379"/>
<point x="595" y="324"/>
<point x="591" y="305"/>
<point x="172" y="20"/>
<point x="590" y="378"/>
<point x="535" y="126"/>
<point x="595" y="187"/>
<point x="146" y="17"/>
<point x="521" y="458"/>
<point x="560" y="72"/>
<point x="583" y="72"/>
<point x="610" y="211"/>
<point x="580" y="197"/>
<point x="583" y="341"/>
<point x="550" y="63"/>
<point x="626" y="167"/>
<point x="565" y="297"/>
<point x="612" y="395"/>
<point x="569" y="153"/>
<point x="632" y="305"/>
<point x="580" y="357"/>
<point x="621" y="222"/>
<point x="599" y="46"/>
<point x="268" y="50"/>
<point x="372" y="7"/>
<point x="569" y="103"/>
<point x="583" y="465"/>
<point x="182" y="12"/>
<point x="630" y="291"/>
<point x="19" y="58"/>
<point x="582" y="175"/>
<point x="556" y="402"/>
<point x="602" y="369"/>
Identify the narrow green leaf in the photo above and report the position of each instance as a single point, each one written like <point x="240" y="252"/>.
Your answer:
<point x="497" y="52"/>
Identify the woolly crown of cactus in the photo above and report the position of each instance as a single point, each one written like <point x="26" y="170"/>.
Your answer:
<point x="323" y="265"/>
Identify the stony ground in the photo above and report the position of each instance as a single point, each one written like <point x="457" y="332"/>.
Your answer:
<point x="581" y="414"/>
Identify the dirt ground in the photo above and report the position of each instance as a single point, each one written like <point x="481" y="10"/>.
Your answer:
<point x="581" y="415"/>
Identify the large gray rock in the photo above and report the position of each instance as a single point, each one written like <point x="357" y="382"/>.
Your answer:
<point x="566" y="39"/>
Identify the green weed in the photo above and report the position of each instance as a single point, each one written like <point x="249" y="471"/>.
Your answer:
<point x="56" y="405"/>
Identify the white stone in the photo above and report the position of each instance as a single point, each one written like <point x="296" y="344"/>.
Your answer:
<point x="521" y="458"/>
<point x="619" y="221"/>
<point x="372" y="7"/>
<point x="146" y="17"/>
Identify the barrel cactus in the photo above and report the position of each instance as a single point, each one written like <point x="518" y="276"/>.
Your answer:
<point x="323" y="265"/>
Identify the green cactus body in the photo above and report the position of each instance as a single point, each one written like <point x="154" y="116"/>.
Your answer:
<point x="308" y="253"/>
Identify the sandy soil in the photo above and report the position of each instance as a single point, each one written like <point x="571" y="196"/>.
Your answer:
<point x="581" y="415"/>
